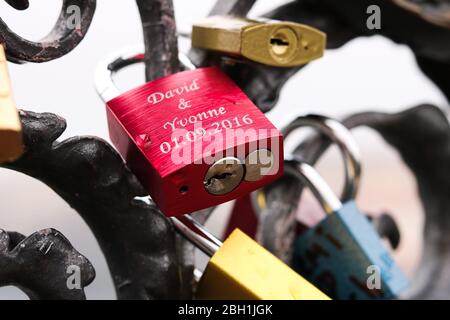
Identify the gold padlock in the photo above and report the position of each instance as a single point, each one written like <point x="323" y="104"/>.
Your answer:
<point x="240" y="269"/>
<point x="11" y="146"/>
<point x="270" y="42"/>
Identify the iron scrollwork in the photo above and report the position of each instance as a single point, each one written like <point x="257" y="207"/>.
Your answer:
<point x="62" y="39"/>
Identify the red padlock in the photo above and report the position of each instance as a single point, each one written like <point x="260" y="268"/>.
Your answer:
<point x="193" y="139"/>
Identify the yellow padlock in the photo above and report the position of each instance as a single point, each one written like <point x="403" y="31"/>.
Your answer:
<point x="240" y="269"/>
<point x="11" y="146"/>
<point x="270" y="42"/>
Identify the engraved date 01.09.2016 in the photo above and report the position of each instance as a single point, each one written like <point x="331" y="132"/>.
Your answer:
<point x="181" y="136"/>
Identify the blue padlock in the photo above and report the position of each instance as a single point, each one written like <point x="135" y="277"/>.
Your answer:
<point x="343" y="255"/>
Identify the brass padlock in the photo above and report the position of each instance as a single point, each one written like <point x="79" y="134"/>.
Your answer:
<point x="240" y="269"/>
<point x="11" y="146"/>
<point x="270" y="42"/>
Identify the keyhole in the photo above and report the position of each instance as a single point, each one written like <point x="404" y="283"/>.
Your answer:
<point x="279" y="45"/>
<point x="222" y="176"/>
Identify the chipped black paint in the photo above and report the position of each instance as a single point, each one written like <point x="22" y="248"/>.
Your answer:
<point x="61" y="39"/>
<point x="138" y="241"/>
<point x="38" y="265"/>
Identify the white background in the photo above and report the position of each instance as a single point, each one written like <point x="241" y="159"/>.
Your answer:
<point x="366" y="74"/>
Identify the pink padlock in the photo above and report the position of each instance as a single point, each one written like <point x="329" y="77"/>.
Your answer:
<point x="193" y="139"/>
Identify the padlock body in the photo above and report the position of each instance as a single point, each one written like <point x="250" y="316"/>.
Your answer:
<point x="242" y="269"/>
<point x="270" y="42"/>
<point x="344" y="257"/>
<point x="171" y="130"/>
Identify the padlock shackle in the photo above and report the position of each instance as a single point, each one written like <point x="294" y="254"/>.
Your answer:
<point x="195" y="233"/>
<point x="341" y="136"/>
<point x="118" y="60"/>
<point x="314" y="181"/>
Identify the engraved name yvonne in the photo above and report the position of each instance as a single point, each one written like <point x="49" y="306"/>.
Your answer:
<point x="181" y="123"/>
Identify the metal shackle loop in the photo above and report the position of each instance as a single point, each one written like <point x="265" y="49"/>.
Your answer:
<point x="341" y="136"/>
<point x="118" y="60"/>
<point x="196" y="234"/>
<point x="314" y="181"/>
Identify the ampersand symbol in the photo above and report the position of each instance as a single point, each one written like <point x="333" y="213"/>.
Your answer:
<point x="184" y="104"/>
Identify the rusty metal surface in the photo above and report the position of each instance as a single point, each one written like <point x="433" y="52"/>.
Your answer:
<point x="160" y="38"/>
<point x="61" y="39"/>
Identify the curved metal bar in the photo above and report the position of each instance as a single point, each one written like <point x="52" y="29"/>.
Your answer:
<point x="160" y="37"/>
<point x="342" y="137"/>
<point x="62" y="39"/>
<point x="336" y="133"/>
<point x="18" y="4"/>
<point x="195" y="233"/>
<point x="423" y="128"/>
<point x="311" y="178"/>
<point x="120" y="59"/>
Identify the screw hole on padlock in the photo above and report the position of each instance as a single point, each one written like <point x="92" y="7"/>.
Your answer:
<point x="184" y="189"/>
